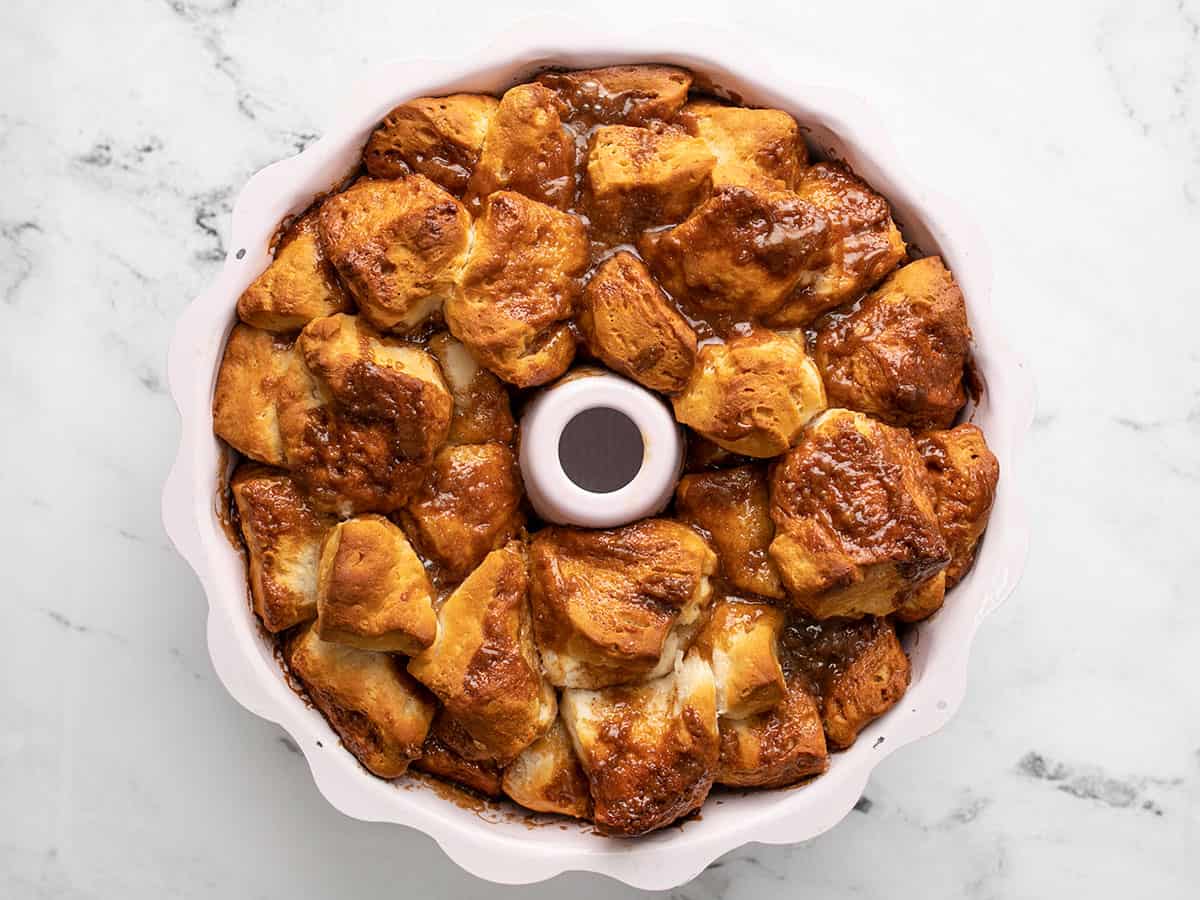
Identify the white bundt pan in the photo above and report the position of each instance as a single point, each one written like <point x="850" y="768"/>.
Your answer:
<point x="508" y="850"/>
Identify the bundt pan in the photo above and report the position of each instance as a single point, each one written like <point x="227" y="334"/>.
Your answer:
<point x="501" y="847"/>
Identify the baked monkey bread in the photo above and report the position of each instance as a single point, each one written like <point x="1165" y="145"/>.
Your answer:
<point x="611" y="219"/>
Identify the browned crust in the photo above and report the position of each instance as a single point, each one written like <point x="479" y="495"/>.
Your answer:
<point x="923" y="600"/>
<point x="483" y="666"/>
<point x="518" y="289"/>
<point x="648" y="763"/>
<point x="963" y="473"/>
<point x="247" y="393"/>
<point x="439" y="758"/>
<point x="776" y="748"/>
<point x="367" y="443"/>
<point x="637" y="178"/>
<point x="742" y="251"/>
<point x="731" y="507"/>
<point x="757" y="148"/>
<point x="283" y="534"/>
<point x="299" y="285"/>
<point x="372" y="590"/>
<point x="468" y="506"/>
<point x="526" y="150"/>
<point x="606" y="601"/>
<point x="900" y="356"/>
<point x="628" y="323"/>
<point x="438" y="137"/>
<point x="854" y="518"/>
<point x="753" y="393"/>
<point x="620" y="95"/>
<point x="862" y="243"/>
<point x="869" y="685"/>
<point x="397" y="245"/>
<point x="548" y="778"/>
<point x="380" y="713"/>
<point x="482" y="411"/>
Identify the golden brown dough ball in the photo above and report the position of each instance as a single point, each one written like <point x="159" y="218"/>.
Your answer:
<point x="756" y="148"/>
<point x="440" y="759"/>
<point x="438" y="137"/>
<point x="854" y="518"/>
<point x="518" y="289"/>
<point x="468" y="506"/>
<point x="741" y="252"/>
<point x="376" y="378"/>
<point x="255" y="377"/>
<point x="963" y="473"/>
<point x="630" y="325"/>
<point x="775" y="748"/>
<point x="361" y="438"/>
<point x="740" y="642"/>
<point x="483" y="665"/>
<point x="372" y="591"/>
<point x="732" y="507"/>
<point x="547" y="776"/>
<point x="862" y="244"/>
<point x="482" y="411"/>
<point x="921" y="600"/>
<point x="900" y="355"/>
<point x="865" y="686"/>
<point x="398" y="246"/>
<point x="612" y="607"/>
<point x="298" y="286"/>
<point x="638" y="179"/>
<point x="752" y="394"/>
<point x="526" y="150"/>
<point x="620" y="95"/>
<point x="381" y="715"/>
<point x="650" y="751"/>
<point x="283" y="537"/>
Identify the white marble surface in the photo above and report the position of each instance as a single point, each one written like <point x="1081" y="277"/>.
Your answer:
<point x="1071" y="130"/>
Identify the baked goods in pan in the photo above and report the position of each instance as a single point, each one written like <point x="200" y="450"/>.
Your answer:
<point x="547" y="777"/>
<point x="629" y="324"/>
<point x="730" y="507"/>
<point x="741" y="252"/>
<point x="381" y="714"/>
<point x="397" y="245"/>
<point x="617" y="606"/>
<point x="854" y="518"/>
<point x="283" y="536"/>
<point x="518" y="288"/>
<point x="833" y="494"/>
<point x="649" y="750"/>
<point x="757" y="148"/>
<point x="483" y="666"/>
<point x="438" y="137"/>
<point x="298" y="286"/>
<point x="372" y="589"/>
<point x="752" y="394"/>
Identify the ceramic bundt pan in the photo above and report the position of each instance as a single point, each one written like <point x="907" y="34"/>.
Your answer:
<point x="836" y="125"/>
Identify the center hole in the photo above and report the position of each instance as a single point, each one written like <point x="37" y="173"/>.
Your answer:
<point x="601" y="450"/>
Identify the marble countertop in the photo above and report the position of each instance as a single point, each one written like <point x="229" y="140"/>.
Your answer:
<point x="1070" y="130"/>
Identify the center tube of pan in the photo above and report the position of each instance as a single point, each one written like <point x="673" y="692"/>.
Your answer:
<point x="598" y="450"/>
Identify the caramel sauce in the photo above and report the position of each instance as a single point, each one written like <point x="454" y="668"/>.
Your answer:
<point x="817" y="651"/>
<point x="461" y="796"/>
<point x="224" y="507"/>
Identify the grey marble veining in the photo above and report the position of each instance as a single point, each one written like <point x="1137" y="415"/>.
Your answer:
<point x="1071" y="130"/>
